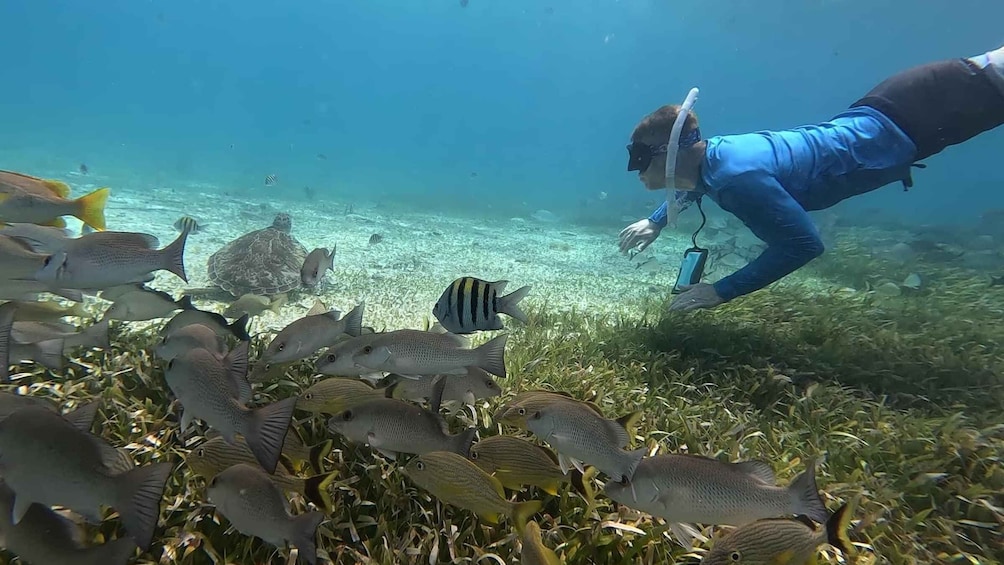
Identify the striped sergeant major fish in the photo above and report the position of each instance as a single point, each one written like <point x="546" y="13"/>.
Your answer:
<point x="470" y="304"/>
<point x="271" y="179"/>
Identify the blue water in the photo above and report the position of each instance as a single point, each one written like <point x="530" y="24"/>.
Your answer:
<point x="502" y="105"/>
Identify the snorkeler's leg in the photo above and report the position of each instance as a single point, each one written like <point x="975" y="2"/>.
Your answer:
<point x="943" y="103"/>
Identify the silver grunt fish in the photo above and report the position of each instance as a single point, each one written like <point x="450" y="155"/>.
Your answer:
<point x="105" y="259"/>
<point x="317" y="263"/>
<point x="414" y="352"/>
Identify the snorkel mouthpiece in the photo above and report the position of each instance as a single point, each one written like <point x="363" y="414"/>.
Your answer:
<point x="674" y="144"/>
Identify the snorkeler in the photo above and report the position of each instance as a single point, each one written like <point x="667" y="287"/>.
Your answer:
<point x="770" y="179"/>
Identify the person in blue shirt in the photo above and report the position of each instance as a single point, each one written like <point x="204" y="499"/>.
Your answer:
<point x="771" y="179"/>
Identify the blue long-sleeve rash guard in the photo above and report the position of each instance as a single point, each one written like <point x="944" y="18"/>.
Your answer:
<point x="769" y="180"/>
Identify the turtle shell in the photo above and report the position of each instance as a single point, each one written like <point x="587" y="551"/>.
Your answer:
<point x="264" y="262"/>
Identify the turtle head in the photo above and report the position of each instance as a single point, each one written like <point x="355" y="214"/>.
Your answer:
<point x="282" y="222"/>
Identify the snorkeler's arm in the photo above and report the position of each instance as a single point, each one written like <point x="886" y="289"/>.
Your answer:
<point x="774" y="216"/>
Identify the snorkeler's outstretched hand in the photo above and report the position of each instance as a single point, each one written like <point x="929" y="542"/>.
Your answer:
<point x="696" y="296"/>
<point x="639" y="235"/>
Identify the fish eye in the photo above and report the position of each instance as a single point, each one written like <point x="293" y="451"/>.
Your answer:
<point x="347" y="415"/>
<point x="474" y="454"/>
<point x="281" y="347"/>
<point x="308" y="396"/>
<point x="521" y="411"/>
<point x="47" y="261"/>
<point x="420" y="466"/>
<point x="735" y="556"/>
<point x="170" y="364"/>
<point x="332" y="357"/>
<point x="368" y="349"/>
<point x="201" y="452"/>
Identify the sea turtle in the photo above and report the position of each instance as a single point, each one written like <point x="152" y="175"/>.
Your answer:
<point x="265" y="262"/>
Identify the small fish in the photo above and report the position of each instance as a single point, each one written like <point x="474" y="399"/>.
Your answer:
<point x="322" y="156"/>
<point x="271" y="180"/>
<point x="464" y="389"/>
<point x="94" y="336"/>
<point x="393" y="426"/>
<point x="317" y="263"/>
<point x="335" y="395"/>
<point x="105" y="259"/>
<point x="787" y="541"/>
<point x="455" y="480"/>
<point x="188" y="224"/>
<point x="533" y="551"/>
<point x="192" y="315"/>
<point x="580" y="435"/>
<point x="692" y="489"/>
<point x="216" y="455"/>
<point x="463" y="3"/>
<point x="137" y="303"/>
<point x="208" y="389"/>
<point x="414" y="352"/>
<point x="469" y="305"/>
<point x="253" y="305"/>
<point x="32" y="200"/>
<point x="375" y="239"/>
<point x="83" y="169"/>
<point x="301" y="338"/>
<point x="192" y="336"/>
<point x="44" y="537"/>
<point x="49" y="461"/>
<point x="255" y="506"/>
<point x="46" y="311"/>
<point x="515" y="412"/>
<point x="516" y="462"/>
<point x="40" y="239"/>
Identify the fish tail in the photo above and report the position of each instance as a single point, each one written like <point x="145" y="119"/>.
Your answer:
<point x="304" y="534"/>
<point x="491" y="356"/>
<point x="509" y="304"/>
<point x="836" y="529"/>
<point x="354" y="321"/>
<point x="50" y="353"/>
<point x="463" y="441"/>
<point x="138" y="500"/>
<point x="174" y="256"/>
<point x="265" y="431"/>
<point x="805" y="496"/>
<point x="240" y="328"/>
<point x="629" y="422"/>
<point x="91" y="208"/>
<point x="97" y="335"/>
<point x="330" y="258"/>
<point x="317" y="454"/>
<point x="82" y="417"/>
<point x="116" y="552"/>
<point x="521" y="512"/>
<point x="315" y="489"/>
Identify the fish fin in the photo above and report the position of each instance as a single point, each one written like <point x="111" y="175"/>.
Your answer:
<point x="91" y="208"/>
<point x="57" y="223"/>
<point x="522" y="511"/>
<point x="7" y="311"/>
<point x="635" y="458"/>
<point x="265" y="431"/>
<point x="436" y="400"/>
<point x="317" y="308"/>
<point x="566" y="463"/>
<point x="491" y="356"/>
<point x="116" y="461"/>
<point x="551" y="487"/>
<point x="59" y="188"/>
<point x="138" y="500"/>
<point x="68" y="293"/>
<point x="805" y="496"/>
<point x="82" y="417"/>
<point x="236" y="362"/>
<point x="21" y="506"/>
<point x="392" y="455"/>
<point x="186" y="419"/>
<point x="239" y="328"/>
<point x="185" y="303"/>
<point x="509" y="304"/>
<point x="115" y="552"/>
<point x="330" y="258"/>
<point x="315" y="489"/>
<point x="97" y="335"/>
<point x="317" y="454"/>
<point x="278" y="301"/>
<point x="464" y="440"/>
<point x="759" y="470"/>
<point x="836" y="529"/>
<point x="304" y="534"/>
<point x="786" y="557"/>
<point x="685" y="534"/>
<point x="174" y="257"/>
<point x="354" y="321"/>
<point x="629" y="422"/>
<point x="50" y="353"/>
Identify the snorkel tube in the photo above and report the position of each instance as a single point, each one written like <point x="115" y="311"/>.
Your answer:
<point x="674" y="144"/>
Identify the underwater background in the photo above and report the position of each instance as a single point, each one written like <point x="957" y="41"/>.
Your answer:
<point x="486" y="138"/>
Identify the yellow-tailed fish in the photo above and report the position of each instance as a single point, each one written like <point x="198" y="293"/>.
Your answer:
<point x="516" y="462"/>
<point x="334" y="395"/>
<point x="214" y="456"/>
<point x="781" y="541"/>
<point x="301" y="454"/>
<point x="33" y="200"/>
<point x="533" y="550"/>
<point x="455" y="480"/>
